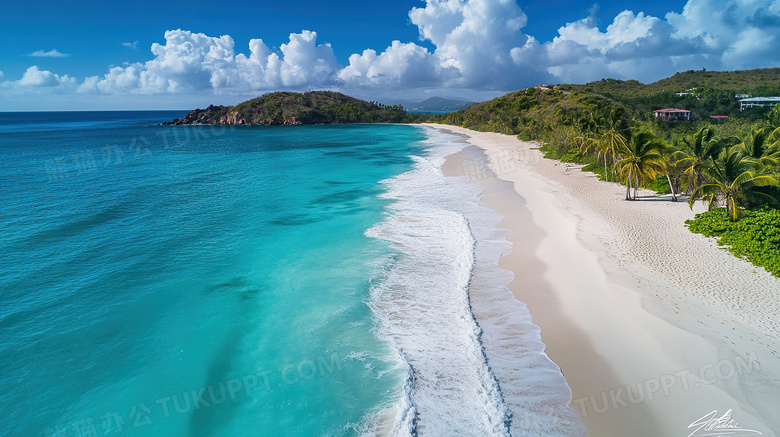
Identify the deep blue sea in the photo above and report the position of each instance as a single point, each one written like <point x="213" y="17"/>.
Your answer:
<point x="238" y="281"/>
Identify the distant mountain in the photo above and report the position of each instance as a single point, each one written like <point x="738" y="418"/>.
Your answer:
<point x="439" y="104"/>
<point x="286" y="108"/>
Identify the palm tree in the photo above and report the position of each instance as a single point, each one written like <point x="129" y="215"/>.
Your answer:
<point x="773" y="123"/>
<point x="673" y="170"/>
<point x="584" y="128"/>
<point x="612" y="135"/>
<point x="586" y="137"/>
<point x="702" y="147"/>
<point x="733" y="178"/>
<point x="641" y="160"/>
<point x="759" y="146"/>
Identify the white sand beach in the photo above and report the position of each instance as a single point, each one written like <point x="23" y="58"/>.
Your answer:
<point x="653" y="327"/>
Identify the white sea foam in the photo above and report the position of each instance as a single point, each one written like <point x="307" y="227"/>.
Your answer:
<point x="462" y="379"/>
<point x="424" y="311"/>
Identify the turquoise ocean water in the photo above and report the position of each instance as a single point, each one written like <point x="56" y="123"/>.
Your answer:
<point x="251" y="281"/>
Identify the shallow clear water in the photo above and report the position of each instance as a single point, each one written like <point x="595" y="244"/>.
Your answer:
<point x="143" y="263"/>
<point x="251" y="281"/>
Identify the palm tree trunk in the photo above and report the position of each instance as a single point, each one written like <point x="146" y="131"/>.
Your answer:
<point x="636" y="186"/>
<point x="694" y="183"/>
<point x="671" y="187"/>
<point x="606" y="176"/>
<point x="628" y="186"/>
<point x="731" y="208"/>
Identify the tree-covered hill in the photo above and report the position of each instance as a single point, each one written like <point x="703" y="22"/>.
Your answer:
<point x="705" y="93"/>
<point x="287" y="108"/>
<point x="732" y="164"/>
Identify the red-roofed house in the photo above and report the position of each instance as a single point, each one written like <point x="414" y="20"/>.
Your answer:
<point x="672" y="114"/>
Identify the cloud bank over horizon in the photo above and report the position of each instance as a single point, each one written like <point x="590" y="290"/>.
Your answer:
<point x="479" y="46"/>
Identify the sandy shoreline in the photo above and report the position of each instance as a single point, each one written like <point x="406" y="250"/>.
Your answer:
<point x="653" y="327"/>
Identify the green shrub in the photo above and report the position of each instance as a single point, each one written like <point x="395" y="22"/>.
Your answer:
<point x="756" y="236"/>
<point x="595" y="168"/>
<point x="573" y="156"/>
<point x="550" y="152"/>
<point x="660" y="185"/>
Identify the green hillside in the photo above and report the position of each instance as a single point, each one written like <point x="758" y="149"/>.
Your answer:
<point x="287" y="108"/>
<point x="731" y="165"/>
<point x="529" y="112"/>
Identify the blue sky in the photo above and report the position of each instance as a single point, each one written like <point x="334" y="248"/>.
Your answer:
<point x="179" y="54"/>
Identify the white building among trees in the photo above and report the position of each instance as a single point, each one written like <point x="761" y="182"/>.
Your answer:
<point x="756" y="102"/>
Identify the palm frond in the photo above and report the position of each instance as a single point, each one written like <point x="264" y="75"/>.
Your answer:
<point x="744" y="178"/>
<point x="704" y="191"/>
<point x="765" y="181"/>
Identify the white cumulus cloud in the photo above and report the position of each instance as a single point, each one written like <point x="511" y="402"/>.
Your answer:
<point x="35" y="77"/>
<point x="54" y="53"/>
<point x="192" y="62"/>
<point x="714" y="34"/>
<point x="478" y="46"/>
<point x="399" y="65"/>
<point x="476" y="38"/>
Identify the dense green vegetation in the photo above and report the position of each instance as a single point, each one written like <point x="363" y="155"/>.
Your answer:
<point x="731" y="165"/>
<point x="756" y="236"/>
<point x="706" y="92"/>
<point x="286" y="108"/>
<point x="543" y="112"/>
